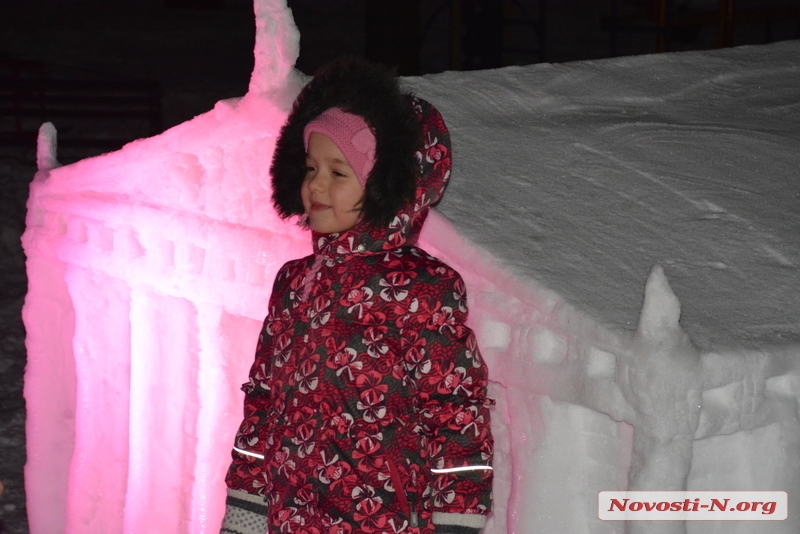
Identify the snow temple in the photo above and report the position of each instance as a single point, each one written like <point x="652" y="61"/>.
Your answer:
<point x="592" y="205"/>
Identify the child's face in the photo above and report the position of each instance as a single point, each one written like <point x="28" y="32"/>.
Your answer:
<point x="331" y="193"/>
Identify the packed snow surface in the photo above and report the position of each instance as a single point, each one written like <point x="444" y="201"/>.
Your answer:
<point x="584" y="175"/>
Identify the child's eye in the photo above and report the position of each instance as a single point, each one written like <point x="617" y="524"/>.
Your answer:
<point x="310" y="168"/>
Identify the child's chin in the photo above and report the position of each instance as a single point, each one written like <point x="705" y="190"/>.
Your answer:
<point x="324" y="227"/>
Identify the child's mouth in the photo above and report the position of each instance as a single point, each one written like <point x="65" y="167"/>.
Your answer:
<point x="316" y="206"/>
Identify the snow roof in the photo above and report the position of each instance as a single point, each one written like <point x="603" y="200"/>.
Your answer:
<point x="584" y="175"/>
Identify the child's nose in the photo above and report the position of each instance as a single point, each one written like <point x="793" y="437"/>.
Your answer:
<point x="316" y="182"/>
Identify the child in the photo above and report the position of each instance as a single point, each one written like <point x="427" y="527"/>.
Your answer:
<point x="366" y="409"/>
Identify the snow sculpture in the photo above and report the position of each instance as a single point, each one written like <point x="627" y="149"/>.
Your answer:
<point x="149" y="271"/>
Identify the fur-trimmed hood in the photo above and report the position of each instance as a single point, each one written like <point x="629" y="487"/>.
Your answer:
<point x="432" y="161"/>
<point x="373" y="93"/>
<point x="412" y="156"/>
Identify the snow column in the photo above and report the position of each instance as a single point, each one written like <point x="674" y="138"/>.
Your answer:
<point x="149" y="272"/>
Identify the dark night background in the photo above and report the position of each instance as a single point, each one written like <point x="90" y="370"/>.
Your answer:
<point x="109" y="71"/>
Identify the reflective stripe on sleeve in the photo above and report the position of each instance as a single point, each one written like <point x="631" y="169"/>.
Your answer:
<point x="465" y="468"/>
<point x="248" y="453"/>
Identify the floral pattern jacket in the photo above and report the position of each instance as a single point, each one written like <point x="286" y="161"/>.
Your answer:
<point x="368" y="392"/>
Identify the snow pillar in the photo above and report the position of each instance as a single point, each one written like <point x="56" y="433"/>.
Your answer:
<point x="99" y="465"/>
<point x="50" y="390"/>
<point x="664" y="385"/>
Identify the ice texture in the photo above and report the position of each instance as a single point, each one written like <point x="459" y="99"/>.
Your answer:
<point x="150" y="270"/>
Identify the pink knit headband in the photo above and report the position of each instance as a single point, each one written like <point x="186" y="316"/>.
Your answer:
<point x="351" y="134"/>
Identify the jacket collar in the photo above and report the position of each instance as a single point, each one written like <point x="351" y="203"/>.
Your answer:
<point x="362" y="240"/>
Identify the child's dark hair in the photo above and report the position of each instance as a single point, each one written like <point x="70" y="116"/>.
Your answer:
<point x="372" y="92"/>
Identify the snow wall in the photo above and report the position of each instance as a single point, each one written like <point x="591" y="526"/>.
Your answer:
<point x="149" y="272"/>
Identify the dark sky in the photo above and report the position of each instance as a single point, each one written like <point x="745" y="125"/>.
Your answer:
<point x="199" y="54"/>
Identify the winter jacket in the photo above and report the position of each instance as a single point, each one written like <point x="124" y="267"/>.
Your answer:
<point x="366" y="409"/>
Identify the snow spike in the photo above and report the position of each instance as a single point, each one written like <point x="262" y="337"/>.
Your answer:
<point x="47" y="147"/>
<point x="661" y="309"/>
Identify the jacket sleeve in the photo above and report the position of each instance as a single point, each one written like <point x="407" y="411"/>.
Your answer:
<point x="245" y="507"/>
<point x="246" y="473"/>
<point x="443" y="359"/>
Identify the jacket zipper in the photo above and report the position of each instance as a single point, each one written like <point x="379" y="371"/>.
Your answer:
<point x="310" y="277"/>
<point x="410" y="511"/>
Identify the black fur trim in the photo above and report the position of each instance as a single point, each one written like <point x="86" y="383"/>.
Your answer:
<point x="372" y="92"/>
